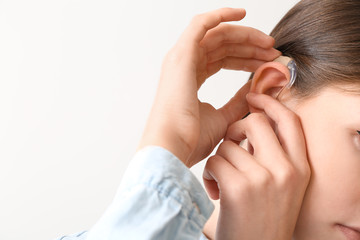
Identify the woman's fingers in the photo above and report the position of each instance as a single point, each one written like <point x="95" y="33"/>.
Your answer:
<point x="229" y="33"/>
<point x="242" y="51"/>
<point x="218" y="172"/>
<point x="289" y="129"/>
<point x="237" y="106"/>
<point x="234" y="63"/>
<point x="239" y="57"/>
<point x="264" y="185"/>
<point x="284" y="141"/>
<point x="258" y="131"/>
<point x="202" y="23"/>
<point x="238" y="157"/>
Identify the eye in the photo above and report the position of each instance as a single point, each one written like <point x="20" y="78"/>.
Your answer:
<point x="358" y="132"/>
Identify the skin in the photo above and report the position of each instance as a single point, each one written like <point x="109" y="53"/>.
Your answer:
<point x="205" y="47"/>
<point x="260" y="190"/>
<point x="265" y="182"/>
<point x="330" y="121"/>
<point x="279" y="171"/>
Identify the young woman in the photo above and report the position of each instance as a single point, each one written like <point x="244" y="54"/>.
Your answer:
<point x="159" y="198"/>
<point x="266" y="191"/>
<point x="323" y="38"/>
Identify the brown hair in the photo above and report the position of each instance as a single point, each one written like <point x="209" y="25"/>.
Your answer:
<point x="323" y="38"/>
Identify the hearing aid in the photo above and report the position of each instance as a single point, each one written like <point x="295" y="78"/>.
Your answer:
<point x="291" y="65"/>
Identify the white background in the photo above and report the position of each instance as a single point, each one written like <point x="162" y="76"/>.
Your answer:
<point x="77" y="79"/>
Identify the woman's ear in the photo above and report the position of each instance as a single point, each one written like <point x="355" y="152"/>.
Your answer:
<point x="270" y="78"/>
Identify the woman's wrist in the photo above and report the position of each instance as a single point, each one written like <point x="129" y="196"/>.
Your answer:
<point x="164" y="138"/>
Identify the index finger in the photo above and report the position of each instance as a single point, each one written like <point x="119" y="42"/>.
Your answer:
<point x="230" y="33"/>
<point x="201" y="23"/>
<point x="290" y="132"/>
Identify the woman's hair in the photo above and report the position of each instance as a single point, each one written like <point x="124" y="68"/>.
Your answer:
<point x="323" y="38"/>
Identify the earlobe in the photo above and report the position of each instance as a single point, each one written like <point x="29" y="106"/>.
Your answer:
<point x="270" y="79"/>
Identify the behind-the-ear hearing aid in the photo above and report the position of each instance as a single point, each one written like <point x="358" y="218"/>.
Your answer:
<point x="291" y="65"/>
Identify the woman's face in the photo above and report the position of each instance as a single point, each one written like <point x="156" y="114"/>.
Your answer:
<point x="331" y="207"/>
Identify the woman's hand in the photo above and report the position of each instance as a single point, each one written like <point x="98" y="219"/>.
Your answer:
<point x="260" y="189"/>
<point x="178" y="121"/>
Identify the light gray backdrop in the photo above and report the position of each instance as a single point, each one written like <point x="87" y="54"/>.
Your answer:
<point x="77" y="79"/>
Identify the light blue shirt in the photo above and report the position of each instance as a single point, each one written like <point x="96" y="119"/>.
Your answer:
<point x="158" y="198"/>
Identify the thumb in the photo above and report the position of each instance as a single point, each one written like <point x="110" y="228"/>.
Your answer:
<point x="237" y="107"/>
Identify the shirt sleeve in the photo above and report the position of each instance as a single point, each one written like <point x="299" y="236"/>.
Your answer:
<point x="159" y="198"/>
